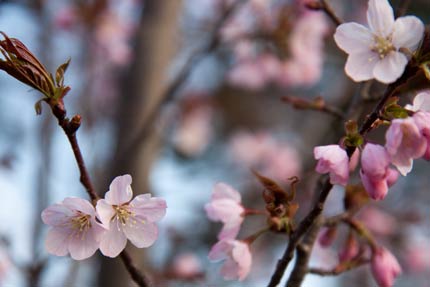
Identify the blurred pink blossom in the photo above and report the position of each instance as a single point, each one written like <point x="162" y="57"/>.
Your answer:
<point x="187" y="266"/>
<point x="263" y="152"/>
<point x="194" y="131"/>
<point x="128" y="219"/>
<point x="74" y="228"/>
<point x="378" y="221"/>
<point x="375" y="173"/>
<point x="334" y="160"/>
<point x="385" y="267"/>
<point x="225" y="206"/>
<point x="417" y="256"/>
<point x="422" y="120"/>
<point x="404" y="143"/>
<point x="65" y="18"/>
<point x="376" y="52"/>
<point x="327" y="236"/>
<point x="237" y="257"/>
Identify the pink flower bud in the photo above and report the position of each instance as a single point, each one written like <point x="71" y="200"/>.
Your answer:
<point x="327" y="236"/>
<point x="385" y="267"/>
<point x="375" y="172"/>
<point x="334" y="160"/>
<point x="350" y="249"/>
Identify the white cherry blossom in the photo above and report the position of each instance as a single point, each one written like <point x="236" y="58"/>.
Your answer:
<point x="381" y="50"/>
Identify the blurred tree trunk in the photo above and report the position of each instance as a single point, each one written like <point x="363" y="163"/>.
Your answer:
<point x="143" y="88"/>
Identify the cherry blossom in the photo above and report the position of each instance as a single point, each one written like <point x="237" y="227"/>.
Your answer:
<point x="187" y="266"/>
<point x="225" y="206"/>
<point x="237" y="257"/>
<point x="378" y="51"/>
<point x="128" y="219"/>
<point x="385" y="267"/>
<point x="404" y="143"/>
<point x="422" y="120"/>
<point x="421" y="102"/>
<point x="375" y="172"/>
<point x="74" y="228"/>
<point x="334" y="160"/>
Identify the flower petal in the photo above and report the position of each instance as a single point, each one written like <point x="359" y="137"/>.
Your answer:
<point x="408" y="33"/>
<point x="141" y="234"/>
<point x="390" y="68"/>
<point x="113" y="241"/>
<point x="353" y="38"/>
<point x="119" y="190"/>
<point x="152" y="208"/>
<point x="105" y="212"/>
<point x="56" y="215"/>
<point x="242" y="256"/>
<point x="220" y="250"/>
<point x="360" y="66"/>
<point x="82" y="247"/>
<point x="56" y="241"/>
<point x="79" y="204"/>
<point x="380" y="17"/>
<point x="230" y="230"/>
<point x="222" y="190"/>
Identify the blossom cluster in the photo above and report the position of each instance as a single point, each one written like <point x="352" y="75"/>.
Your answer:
<point x="80" y="229"/>
<point x="406" y="139"/>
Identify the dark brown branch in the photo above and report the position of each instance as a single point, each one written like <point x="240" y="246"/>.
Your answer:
<point x="304" y="251"/>
<point x="304" y="227"/>
<point x="183" y="75"/>
<point x="135" y="274"/>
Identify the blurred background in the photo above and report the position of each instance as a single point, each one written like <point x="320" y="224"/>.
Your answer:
<point x="182" y="94"/>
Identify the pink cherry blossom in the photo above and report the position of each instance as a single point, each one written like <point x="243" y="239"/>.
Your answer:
<point x="187" y="266"/>
<point x="421" y="102"/>
<point x="376" y="52"/>
<point x="74" y="228"/>
<point x="422" y="120"/>
<point x="385" y="267"/>
<point x="327" y="236"/>
<point x="378" y="221"/>
<point x="375" y="172"/>
<point x="225" y="206"/>
<point x="404" y="143"/>
<point x="334" y="160"/>
<point x="128" y="219"/>
<point x="237" y="257"/>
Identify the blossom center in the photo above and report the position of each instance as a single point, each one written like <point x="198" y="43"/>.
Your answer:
<point x="124" y="215"/>
<point x="81" y="222"/>
<point x="382" y="46"/>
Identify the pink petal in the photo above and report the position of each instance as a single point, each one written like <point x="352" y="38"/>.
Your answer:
<point x="380" y="17"/>
<point x="56" y="241"/>
<point x="82" y="247"/>
<point x="119" y="190"/>
<point x="56" y="215"/>
<point x="105" y="212"/>
<point x="390" y="68"/>
<point x="360" y="66"/>
<point x="375" y="160"/>
<point x="141" y="234"/>
<point x="392" y="176"/>
<point x="222" y="190"/>
<point x="376" y="188"/>
<point x="242" y="256"/>
<point x="408" y="33"/>
<point x="75" y="203"/>
<point x="353" y="38"/>
<point x="153" y="209"/>
<point x="421" y="103"/>
<point x="220" y="250"/>
<point x="230" y="230"/>
<point x="113" y="241"/>
<point x="224" y="210"/>
<point x="230" y="269"/>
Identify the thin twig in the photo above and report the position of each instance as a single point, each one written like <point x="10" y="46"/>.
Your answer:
<point x="338" y="271"/>
<point x="183" y="75"/>
<point x="330" y="13"/>
<point x="70" y="127"/>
